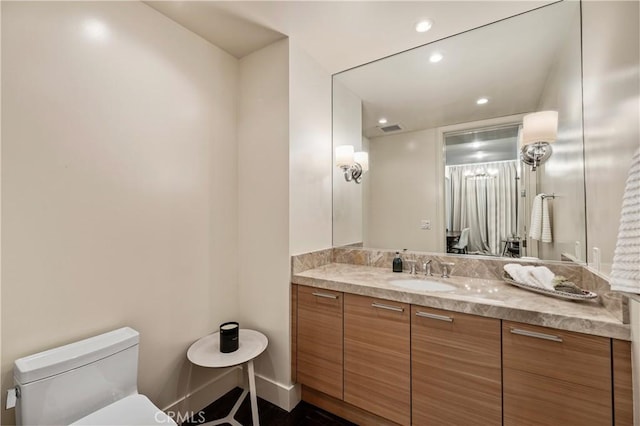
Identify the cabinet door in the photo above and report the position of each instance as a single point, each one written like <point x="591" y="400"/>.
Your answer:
<point x="377" y="368"/>
<point x="622" y="383"/>
<point x="319" y="340"/>
<point x="456" y="376"/>
<point x="554" y="377"/>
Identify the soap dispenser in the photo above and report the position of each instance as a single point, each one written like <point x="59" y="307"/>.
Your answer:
<point x="397" y="263"/>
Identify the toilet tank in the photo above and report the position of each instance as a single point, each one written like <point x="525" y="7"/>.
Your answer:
<point x="66" y="383"/>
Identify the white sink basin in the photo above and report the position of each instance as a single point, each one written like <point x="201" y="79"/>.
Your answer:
<point x="425" y="285"/>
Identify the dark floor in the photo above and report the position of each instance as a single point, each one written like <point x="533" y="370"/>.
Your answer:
<point x="270" y="415"/>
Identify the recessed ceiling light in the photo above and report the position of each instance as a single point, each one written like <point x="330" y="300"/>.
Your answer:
<point x="382" y="121"/>
<point x="436" y="57"/>
<point x="424" y="26"/>
<point x="482" y="101"/>
<point x="475" y="144"/>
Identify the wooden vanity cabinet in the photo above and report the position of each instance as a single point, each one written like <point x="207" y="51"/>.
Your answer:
<point x="320" y="340"/>
<point x="456" y="376"/>
<point x="377" y="365"/>
<point x="555" y="377"/>
<point x="622" y="383"/>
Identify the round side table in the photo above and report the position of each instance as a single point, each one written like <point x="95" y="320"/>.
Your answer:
<point x="206" y="353"/>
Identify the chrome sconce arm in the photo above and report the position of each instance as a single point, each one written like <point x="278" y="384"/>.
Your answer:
<point x="535" y="154"/>
<point x="353" y="164"/>
<point x="539" y="131"/>
<point x="352" y="173"/>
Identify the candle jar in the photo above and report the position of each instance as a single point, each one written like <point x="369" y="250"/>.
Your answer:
<point x="229" y="336"/>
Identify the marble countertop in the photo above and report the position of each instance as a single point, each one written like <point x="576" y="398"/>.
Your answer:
<point x="488" y="298"/>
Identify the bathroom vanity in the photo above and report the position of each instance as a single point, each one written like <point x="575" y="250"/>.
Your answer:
<point x="373" y="351"/>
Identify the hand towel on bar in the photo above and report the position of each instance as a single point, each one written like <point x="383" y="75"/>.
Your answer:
<point x="546" y="222"/>
<point x="625" y="273"/>
<point x="540" y="227"/>
<point x="535" y="227"/>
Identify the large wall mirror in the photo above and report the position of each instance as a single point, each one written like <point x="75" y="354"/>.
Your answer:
<point x="442" y="126"/>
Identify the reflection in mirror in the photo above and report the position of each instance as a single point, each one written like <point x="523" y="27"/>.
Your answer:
<point x="481" y="191"/>
<point x="451" y="141"/>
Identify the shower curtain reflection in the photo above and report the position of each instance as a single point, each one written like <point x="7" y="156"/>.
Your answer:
<point x="483" y="197"/>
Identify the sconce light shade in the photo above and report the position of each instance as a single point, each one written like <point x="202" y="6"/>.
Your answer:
<point x="539" y="131"/>
<point x="353" y="164"/>
<point x="344" y="155"/>
<point x="540" y="127"/>
<point x="362" y="158"/>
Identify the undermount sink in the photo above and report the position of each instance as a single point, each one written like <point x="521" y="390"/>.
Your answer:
<point x="425" y="285"/>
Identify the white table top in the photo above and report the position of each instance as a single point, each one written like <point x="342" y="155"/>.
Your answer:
<point x="206" y="351"/>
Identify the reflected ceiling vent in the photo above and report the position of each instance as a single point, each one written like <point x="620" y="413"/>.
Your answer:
<point x="390" y="128"/>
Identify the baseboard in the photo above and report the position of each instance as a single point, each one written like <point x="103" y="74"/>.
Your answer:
<point x="207" y="393"/>
<point x="284" y="396"/>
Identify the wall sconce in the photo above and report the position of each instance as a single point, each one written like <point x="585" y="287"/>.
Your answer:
<point x="353" y="164"/>
<point x="539" y="131"/>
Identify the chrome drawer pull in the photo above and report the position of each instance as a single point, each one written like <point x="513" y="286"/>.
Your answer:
<point x="389" y="307"/>
<point x="537" y="335"/>
<point x="325" y="295"/>
<point x="434" y="316"/>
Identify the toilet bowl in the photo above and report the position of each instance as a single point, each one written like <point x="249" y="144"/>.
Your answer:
<point x="89" y="382"/>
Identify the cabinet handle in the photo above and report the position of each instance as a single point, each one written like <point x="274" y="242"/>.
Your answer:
<point x="325" y="295"/>
<point x="536" y="335"/>
<point x="388" y="307"/>
<point x="434" y="316"/>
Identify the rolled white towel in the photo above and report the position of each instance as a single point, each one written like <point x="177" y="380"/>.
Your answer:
<point x="543" y="276"/>
<point x="515" y="271"/>
<point x="521" y="274"/>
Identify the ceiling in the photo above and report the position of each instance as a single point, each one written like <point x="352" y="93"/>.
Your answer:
<point x="338" y="34"/>
<point x="507" y="62"/>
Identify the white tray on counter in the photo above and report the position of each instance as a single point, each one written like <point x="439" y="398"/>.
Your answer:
<point x="586" y="295"/>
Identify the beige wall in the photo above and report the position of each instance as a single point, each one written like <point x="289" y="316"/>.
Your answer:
<point x="563" y="173"/>
<point x="310" y="153"/>
<point x="611" y="115"/>
<point x="611" y="61"/>
<point x="406" y="183"/>
<point x="263" y="205"/>
<point x="347" y="196"/>
<point x="118" y="185"/>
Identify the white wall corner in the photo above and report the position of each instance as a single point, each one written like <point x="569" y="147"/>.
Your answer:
<point x="284" y="396"/>
<point x="202" y="396"/>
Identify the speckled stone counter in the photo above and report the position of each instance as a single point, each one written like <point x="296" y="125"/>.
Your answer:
<point x="478" y="296"/>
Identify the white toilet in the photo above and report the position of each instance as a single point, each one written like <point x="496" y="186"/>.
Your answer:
<point x="90" y="382"/>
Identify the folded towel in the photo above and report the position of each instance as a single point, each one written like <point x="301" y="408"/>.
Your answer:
<point x="521" y="274"/>
<point x="535" y="227"/>
<point x="543" y="276"/>
<point x="625" y="273"/>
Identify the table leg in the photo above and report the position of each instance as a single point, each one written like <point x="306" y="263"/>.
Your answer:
<point x="252" y="394"/>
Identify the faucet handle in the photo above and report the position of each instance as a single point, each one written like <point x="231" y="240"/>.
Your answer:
<point x="446" y="267"/>
<point x="412" y="266"/>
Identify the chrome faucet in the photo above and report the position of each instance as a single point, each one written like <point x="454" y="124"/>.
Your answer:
<point x="446" y="268"/>
<point x="426" y="266"/>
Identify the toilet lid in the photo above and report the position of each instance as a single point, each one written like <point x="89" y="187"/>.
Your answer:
<point x="132" y="410"/>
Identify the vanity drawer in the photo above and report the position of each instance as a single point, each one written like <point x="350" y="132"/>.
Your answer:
<point x="562" y="355"/>
<point x="553" y="377"/>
